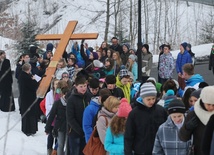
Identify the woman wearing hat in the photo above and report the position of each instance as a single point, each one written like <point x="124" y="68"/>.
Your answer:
<point x="196" y="120"/>
<point x="132" y="66"/>
<point x="167" y="140"/>
<point x="114" y="140"/>
<point x="143" y="122"/>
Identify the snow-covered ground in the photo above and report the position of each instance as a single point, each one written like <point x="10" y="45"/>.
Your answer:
<point x="16" y="142"/>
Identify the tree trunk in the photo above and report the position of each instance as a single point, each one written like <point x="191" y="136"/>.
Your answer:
<point x="159" y="25"/>
<point x="130" y="24"/>
<point x="107" y="20"/>
<point x="155" y="26"/>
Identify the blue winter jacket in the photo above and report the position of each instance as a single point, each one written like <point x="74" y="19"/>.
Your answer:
<point x="88" y="117"/>
<point x="182" y="59"/>
<point x="135" y="71"/>
<point x="196" y="78"/>
<point x="114" y="144"/>
<point x="76" y="52"/>
<point x="192" y="82"/>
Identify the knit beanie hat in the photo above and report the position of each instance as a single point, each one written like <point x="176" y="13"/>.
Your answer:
<point x="148" y="89"/>
<point x="124" y="108"/>
<point x="207" y="95"/>
<point x="123" y="72"/>
<point x="176" y="106"/>
<point x="196" y="93"/>
<point x="49" y="47"/>
<point x="133" y="57"/>
<point x="146" y="46"/>
<point x="127" y="45"/>
<point x="131" y="76"/>
<point x="169" y="96"/>
<point x="184" y="44"/>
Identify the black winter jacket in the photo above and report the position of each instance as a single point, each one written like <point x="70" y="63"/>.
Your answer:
<point x="141" y="127"/>
<point x="76" y="105"/>
<point x="58" y="111"/>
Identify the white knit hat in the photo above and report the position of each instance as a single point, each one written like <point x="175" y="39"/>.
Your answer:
<point x="207" y="94"/>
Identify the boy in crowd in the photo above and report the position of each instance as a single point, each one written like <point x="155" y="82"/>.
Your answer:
<point x="76" y="104"/>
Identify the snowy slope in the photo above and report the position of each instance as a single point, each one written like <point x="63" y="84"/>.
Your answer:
<point x="17" y="143"/>
<point x="91" y="17"/>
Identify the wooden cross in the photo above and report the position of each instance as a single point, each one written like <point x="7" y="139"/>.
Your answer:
<point x="64" y="39"/>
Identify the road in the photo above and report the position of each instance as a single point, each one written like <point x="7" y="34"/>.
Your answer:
<point x="201" y="68"/>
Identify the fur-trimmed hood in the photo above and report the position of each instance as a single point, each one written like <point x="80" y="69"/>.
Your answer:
<point x="202" y="114"/>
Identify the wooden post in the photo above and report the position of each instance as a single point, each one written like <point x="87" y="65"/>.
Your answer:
<point x="64" y="39"/>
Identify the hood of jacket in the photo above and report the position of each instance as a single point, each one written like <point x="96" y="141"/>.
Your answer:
<point x="202" y="114"/>
<point x="95" y="101"/>
<point x="197" y="78"/>
<point x="104" y="111"/>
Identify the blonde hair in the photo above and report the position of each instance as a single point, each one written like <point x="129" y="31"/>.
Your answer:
<point x="111" y="102"/>
<point x="63" y="61"/>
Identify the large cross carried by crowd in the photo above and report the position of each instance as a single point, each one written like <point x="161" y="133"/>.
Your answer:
<point x="63" y="42"/>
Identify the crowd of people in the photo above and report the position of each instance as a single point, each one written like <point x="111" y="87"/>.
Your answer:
<point x="101" y="90"/>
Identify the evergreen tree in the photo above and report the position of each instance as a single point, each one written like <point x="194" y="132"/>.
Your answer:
<point x="29" y="32"/>
<point x="207" y="34"/>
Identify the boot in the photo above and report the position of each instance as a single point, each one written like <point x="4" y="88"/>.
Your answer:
<point x="54" y="152"/>
<point x="50" y="151"/>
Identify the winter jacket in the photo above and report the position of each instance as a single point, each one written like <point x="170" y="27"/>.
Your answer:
<point x="211" y="61"/>
<point x="101" y="123"/>
<point x="49" y="101"/>
<point x="89" y="116"/>
<point x="117" y="48"/>
<point x="147" y="60"/>
<point x="76" y="52"/>
<point x="208" y="138"/>
<point x="167" y="141"/>
<point x="125" y="57"/>
<point x="58" y="111"/>
<point x="141" y="127"/>
<point x="166" y="66"/>
<point x="71" y="71"/>
<point x="193" y="82"/>
<point x="76" y="105"/>
<point x="60" y="71"/>
<point x="107" y="72"/>
<point x="125" y="88"/>
<point x="114" y="144"/>
<point x="182" y="59"/>
<point x="134" y="71"/>
<point x="203" y="117"/>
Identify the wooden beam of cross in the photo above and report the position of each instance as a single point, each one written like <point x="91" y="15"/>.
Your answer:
<point x="64" y="39"/>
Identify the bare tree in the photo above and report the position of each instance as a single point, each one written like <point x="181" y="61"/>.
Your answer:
<point x="155" y="26"/>
<point x="107" y="20"/>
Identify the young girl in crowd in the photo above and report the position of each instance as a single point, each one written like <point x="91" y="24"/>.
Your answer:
<point x="114" y="140"/>
<point x="49" y="101"/>
<point x="167" y="141"/>
<point x="117" y="62"/>
<point x="196" y="121"/>
<point x="58" y="112"/>
<point x="109" y="66"/>
<point x="132" y="66"/>
<point x="105" y="116"/>
<point x="61" y="68"/>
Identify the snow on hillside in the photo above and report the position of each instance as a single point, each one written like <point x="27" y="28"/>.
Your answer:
<point x="91" y="17"/>
<point x="16" y="142"/>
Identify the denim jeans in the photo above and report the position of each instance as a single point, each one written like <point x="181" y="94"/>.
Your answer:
<point x="61" y="141"/>
<point x="76" y="145"/>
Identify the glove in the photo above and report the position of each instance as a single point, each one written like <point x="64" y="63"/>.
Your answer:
<point x="143" y="69"/>
<point x="192" y="123"/>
